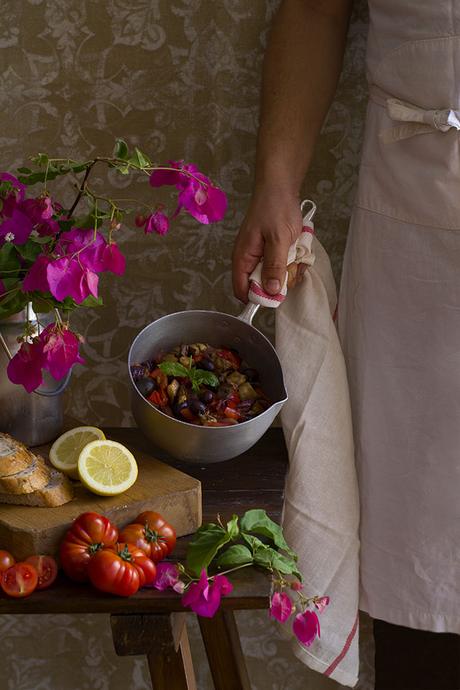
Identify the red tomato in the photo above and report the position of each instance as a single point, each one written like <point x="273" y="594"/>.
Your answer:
<point x="227" y="422"/>
<point x="160" y="377"/>
<point x="231" y="357"/>
<point x="6" y="560"/>
<point x="158" y="530"/>
<point x="89" y="534"/>
<point x="122" y="570"/>
<point x="158" y="398"/>
<point x="46" y="568"/>
<point x="231" y="413"/>
<point x="20" y="580"/>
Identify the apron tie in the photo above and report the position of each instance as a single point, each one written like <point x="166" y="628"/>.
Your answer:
<point x="414" y="120"/>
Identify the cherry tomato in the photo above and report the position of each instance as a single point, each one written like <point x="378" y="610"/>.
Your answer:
<point x="46" y="568"/>
<point x="122" y="570"/>
<point x="89" y="534"/>
<point x="158" y="530"/>
<point x="6" y="560"/>
<point x="20" y="580"/>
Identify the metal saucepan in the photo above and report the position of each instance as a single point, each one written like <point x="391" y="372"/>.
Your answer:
<point x="201" y="444"/>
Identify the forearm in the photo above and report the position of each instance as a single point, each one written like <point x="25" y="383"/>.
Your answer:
<point x="301" y="69"/>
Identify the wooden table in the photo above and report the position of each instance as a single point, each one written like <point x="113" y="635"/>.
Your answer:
<point x="152" y="622"/>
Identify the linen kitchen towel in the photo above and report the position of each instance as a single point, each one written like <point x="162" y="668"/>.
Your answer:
<point x="321" y="503"/>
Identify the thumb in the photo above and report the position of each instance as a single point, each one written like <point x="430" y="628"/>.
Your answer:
<point x="274" y="264"/>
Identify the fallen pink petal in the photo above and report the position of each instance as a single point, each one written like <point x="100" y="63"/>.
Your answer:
<point x="157" y="222"/>
<point x="306" y="627"/>
<point x="280" y="606"/>
<point x="203" y="597"/>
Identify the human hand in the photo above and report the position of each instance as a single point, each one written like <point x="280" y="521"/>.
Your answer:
<point x="273" y="222"/>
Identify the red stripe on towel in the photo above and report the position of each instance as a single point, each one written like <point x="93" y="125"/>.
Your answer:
<point x="345" y="649"/>
<point x="308" y="228"/>
<point x="256" y="289"/>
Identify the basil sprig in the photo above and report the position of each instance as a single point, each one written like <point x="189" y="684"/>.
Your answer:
<point x="198" y="377"/>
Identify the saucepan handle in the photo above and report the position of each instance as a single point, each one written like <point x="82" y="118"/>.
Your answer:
<point x="299" y="252"/>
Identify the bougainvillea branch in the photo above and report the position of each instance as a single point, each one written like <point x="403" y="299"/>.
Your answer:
<point x="53" y="258"/>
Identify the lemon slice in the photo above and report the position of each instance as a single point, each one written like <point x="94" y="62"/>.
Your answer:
<point x="107" y="467"/>
<point x="66" y="449"/>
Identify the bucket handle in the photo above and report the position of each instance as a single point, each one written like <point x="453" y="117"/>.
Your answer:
<point x="257" y="296"/>
<point x="47" y="393"/>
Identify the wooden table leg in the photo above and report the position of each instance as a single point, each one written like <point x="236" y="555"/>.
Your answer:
<point x="223" y="647"/>
<point x="163" y="638"/>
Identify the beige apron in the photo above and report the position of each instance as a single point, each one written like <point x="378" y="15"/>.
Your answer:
<point x="399" y="317"/>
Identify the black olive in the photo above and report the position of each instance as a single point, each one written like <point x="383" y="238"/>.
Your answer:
<point x="205" y="364"/>
<point x="146" y="386"/>
<point x="252" y="375"/>
<point x="179" y="407"/>
<point x="207" y="397"/>
<point x="197" y="407"/>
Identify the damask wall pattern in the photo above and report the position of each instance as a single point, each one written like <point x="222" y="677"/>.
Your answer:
<point x="180" y="79"/>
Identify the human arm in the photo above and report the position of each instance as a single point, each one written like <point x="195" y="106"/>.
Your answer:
<point x="301" y="68"/>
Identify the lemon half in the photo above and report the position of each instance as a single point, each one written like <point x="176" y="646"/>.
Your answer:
<point x="66" y="449"/>
<point x="107" y="467"/>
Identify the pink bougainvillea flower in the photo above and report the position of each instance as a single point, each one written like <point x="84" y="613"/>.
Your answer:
<point x="60" y="349"/>
<point x="296" y="585"/>
<point x="41" y="211"/>
<point x="37" y="278"/>
<point x="321" y="603"/>
<point x="17" y="226"/>
<point x="202" y="200"/>
<point x="86" y="244"/>
<point x="157" y="222"/>
<point x="180" y="180"/>
<point x="25" y="367"/>
<point x="113" y="260"/>
<point x="69" y="278"/>
<point x="203" y="597"/>
<point x="168" y="576"/>
<point x="306" y="627"/>
<point x="280" y="606"/>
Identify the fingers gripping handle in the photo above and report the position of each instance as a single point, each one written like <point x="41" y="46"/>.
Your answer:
<point x="299" y="253"/>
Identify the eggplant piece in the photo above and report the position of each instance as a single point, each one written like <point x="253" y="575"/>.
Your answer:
<point x="247" y="392"/>
<point x="139" y="371"/>
<point x="207" y="396"/>
<point x="185" y="361"/>
<point x="236" y="379"/>
<point x="221" y="364"/>
<point x="172" y="389"/>
<point x="182" y="396"/>
<point x="146" y="386"/>
<point x="170" y="357"/>
<point x="197" y="407"/>
<point x="206" y="364"/>
<point x="252" y="375"/>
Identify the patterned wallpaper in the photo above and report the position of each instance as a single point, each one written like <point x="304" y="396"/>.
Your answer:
<point x="179" y="78"/>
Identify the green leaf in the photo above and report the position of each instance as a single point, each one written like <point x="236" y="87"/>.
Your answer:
<point x="232" y="527"/>
<point x="41" y="305"/>
<point x="174" y="369"/>
<point x="12" y="304"/>
<point x="200" y="376"/>
<point x="24" y="170"/>
<point x="30" y="250"/>
<point x="204" y="546"/>
<point x="257" y="521"/>
<point x="9" y="260"/>
<point x="235" y="555"/>
<point x="121" y="149"/>
<point x="92" y="301"/>
<point x="78" y="167"/>
<point x="273" y="560"/>
<point x="139" y="158"/>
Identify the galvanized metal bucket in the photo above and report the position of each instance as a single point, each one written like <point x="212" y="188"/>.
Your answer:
<point x="33" y="418"/>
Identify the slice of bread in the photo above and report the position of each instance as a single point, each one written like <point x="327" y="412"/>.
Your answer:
<point x="58" y="491"/>
<point x="14" y="456"/>
<point x="33" y="478"/>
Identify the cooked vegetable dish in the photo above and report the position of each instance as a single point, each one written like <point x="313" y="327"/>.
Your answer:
<point x="201" y="384"/>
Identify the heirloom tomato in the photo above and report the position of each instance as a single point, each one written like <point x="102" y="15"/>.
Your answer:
<point x="121" y="570"/>
<point x="20" y="580"/>
<point x="89" y="534"/>
<point x="151" y="533"/>
<point x="46" y="568"/>
<point x="6" y="560"/>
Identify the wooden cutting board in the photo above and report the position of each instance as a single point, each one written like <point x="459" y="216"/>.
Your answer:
<point x="26" y="530"/>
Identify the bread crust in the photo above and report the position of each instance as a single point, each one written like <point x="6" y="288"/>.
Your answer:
<point x="14" y="456"/>
<point x="57" y="492"/>
<point x="33" y="478"/>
